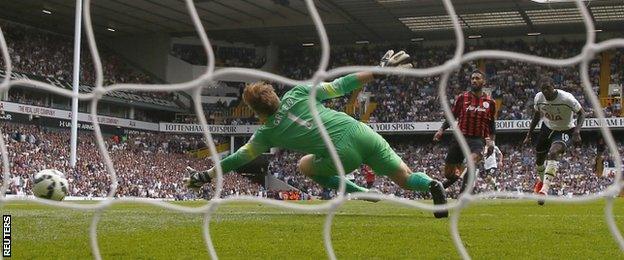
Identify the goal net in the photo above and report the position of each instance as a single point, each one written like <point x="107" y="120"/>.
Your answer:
<point x="329" y="207"/>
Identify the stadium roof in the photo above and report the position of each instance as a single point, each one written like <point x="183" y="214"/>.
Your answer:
<point x="347" y="21"/>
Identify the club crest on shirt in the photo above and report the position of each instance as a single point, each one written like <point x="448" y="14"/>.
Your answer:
<point x="553" y="117"/>
<point x="486" y="105"/>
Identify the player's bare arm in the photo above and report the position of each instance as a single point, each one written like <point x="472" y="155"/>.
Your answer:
<point x="536" y="118"/>
<point x="580" y="118"/>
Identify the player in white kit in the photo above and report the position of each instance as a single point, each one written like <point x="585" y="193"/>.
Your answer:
<point x="493" y="159"/>
<point x="557" y="109"/>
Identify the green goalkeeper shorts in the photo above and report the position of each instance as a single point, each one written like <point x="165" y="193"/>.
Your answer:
<point x="360" y="144"/>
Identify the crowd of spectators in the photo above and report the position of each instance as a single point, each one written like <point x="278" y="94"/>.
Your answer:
<point x="152" y="165"/>
<point x="147" y="165"/>
<point x="225" y="56"/>
<point x="409" y="99"/>
<point x="28" y="98"/>
<point x="399" y="99"/>
<point x="45" y="54"/>
<point x="516" y="173"/>
<point x="283" y="165"/>
<point x="617" y="67"/>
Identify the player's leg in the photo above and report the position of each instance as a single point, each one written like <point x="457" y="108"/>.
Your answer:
<point x="540" y="160"/>
<point x="377" y="153"/>
<point x="323" y="172"/>
<point x="560" y="142"/>
<point x="476" y="157"/>
<point x="541" y="150"/>
<point x="599" y="161"/>
<point x="475" y="145"/>
<point x="453" y="164"/>
<point x="492" y="175"/>
<point x="451" y="173"/>
<point x="417" y="181"/>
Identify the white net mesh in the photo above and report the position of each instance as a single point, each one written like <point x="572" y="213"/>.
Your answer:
<point x="330" y="207"/>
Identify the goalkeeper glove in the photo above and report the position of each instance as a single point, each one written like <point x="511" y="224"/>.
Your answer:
<point x="399" y="59"/>
<point x="197" y="179"/>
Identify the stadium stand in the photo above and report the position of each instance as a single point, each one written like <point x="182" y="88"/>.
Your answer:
<point x="147" y="165"/>
<point x="516" y="174"/>
<point x="398" y="99"/>
<point x="46" y="56"/>
<point x="151" y="165"/>
<point x="404" y="99"/>
<point x="226" y="56"/>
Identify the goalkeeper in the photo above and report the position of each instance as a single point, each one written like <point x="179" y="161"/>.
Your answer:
<point x="288" y="123"/>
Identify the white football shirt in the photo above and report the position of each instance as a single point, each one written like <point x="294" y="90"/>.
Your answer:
<point x="558" y="114"/>
<point x="492" y="160"/>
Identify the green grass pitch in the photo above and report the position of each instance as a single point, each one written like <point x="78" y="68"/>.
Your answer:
<point x="362" y="230"/>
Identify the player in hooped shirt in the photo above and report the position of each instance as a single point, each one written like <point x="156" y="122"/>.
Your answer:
<point x="557" y="109"/>
<point x="475" y="112"/>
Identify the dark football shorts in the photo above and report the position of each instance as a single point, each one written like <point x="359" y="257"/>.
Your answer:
<point x="455" y="155"/>
<point x="548" y="136"/>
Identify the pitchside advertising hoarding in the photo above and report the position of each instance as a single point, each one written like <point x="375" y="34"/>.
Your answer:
<point x="20" y="113"/>
<point x="13" y="109"/>
<point x="501" y="125"/>
<point x="407" y="127"/>
<point x="215" y="129"/>
<point x="62" y="123"/>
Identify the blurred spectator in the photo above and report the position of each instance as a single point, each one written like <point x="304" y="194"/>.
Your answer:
<point x="225" y="56"/>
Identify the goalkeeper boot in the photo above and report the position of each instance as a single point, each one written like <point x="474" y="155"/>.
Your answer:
<point x="439" y="197"/>
<point x="374" y="191"/>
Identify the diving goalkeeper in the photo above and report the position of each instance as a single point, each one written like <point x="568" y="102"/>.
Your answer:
<point x="288" y="124"/>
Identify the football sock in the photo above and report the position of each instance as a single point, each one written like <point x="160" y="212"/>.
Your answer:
<point x="333" y="182"/>
<point x="549" y="173"/>
<point x="418" y="181"/>
<point x="540" y="171"/>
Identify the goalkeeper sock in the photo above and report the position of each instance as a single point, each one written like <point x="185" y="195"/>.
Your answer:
<point x="418" y="181"/>
<point x="333" y="182"/>
<point x="540" y="171"/>
<point x="549" y="174"/>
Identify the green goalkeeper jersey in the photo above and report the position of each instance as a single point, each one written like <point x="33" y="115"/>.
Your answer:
<point x="292" y="126"/>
